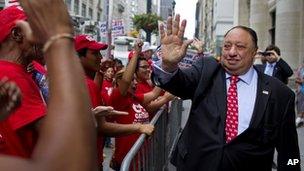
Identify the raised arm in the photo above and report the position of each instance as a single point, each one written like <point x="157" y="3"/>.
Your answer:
<point x="67" y="139"/>
<point x="166" y="73"/>
<point x="128" y="75"/>
<point x="172" y="44"/>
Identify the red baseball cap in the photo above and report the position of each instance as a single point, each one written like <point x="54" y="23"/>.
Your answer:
<point x="8" y="18"/>
<point x="85" y="41"/>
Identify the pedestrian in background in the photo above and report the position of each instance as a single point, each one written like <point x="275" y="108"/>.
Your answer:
<point x="275" y="66"/>
<point x="300" y="94"/>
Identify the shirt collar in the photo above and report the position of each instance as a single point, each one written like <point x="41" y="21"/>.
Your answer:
<point x="268" y="64"/>
<point x="246" y="78"/>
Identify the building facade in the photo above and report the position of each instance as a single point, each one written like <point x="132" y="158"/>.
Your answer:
<point x="2" y="4"/>
<point x="165" y="8"/>
<point x="213" y="19"/>
<point x="278" y="22"/>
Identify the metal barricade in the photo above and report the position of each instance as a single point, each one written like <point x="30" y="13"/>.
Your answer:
<point x="152" y="153"/>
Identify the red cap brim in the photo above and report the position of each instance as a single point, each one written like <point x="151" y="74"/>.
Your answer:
<point x="97" y="46"/>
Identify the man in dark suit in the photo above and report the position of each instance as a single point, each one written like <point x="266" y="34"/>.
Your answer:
<point x="275" y="66"/>
<point x="238" y="115"/>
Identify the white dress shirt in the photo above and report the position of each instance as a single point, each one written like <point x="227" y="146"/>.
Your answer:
<point x="269" y="68"/>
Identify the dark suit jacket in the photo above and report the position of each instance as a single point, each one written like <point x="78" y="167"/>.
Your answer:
<point x="281" y="70"/>
<point x="202" y="144"/>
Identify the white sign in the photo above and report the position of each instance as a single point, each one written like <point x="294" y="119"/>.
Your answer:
<point x="117" y="28"/>
<point x="103" y="28"/>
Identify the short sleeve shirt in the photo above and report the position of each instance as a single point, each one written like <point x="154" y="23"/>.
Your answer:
<point x="137" y="114"/>
<point x="21" y="122"/>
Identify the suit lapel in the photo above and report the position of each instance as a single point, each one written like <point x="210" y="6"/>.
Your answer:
<point x="275" y="69"/>
<point x="263" y="93"/>
<point x="263" y="68"/>
<point x="221" y="95"/>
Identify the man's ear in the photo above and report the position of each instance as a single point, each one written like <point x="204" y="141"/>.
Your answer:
<point x="16" y="34"/>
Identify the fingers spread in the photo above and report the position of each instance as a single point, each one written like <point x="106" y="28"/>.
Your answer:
<point x="181" y="31"/>
<point x="175" y="28"/>
<point x="161" y="31"/>
<point x="169" y="26"/>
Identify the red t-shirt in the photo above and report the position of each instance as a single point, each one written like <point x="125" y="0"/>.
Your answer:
<point x="96" y="101"/>
<point x="137" y="114"/>
<point x="10" y="143"/>
<point x="143" y="87"/>
<point x="106" y="91"/>
<point x="21" y="122"/>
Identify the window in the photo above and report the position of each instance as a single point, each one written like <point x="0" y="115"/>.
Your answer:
<point x="98" y="16"/>
<point x="91" y="13"/>
<point x="83" y="10"/>
<point x="76" y="7"/>
<point x="272" y="30"/>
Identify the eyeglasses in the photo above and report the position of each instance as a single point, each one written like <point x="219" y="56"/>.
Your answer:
<point x="144" y="66"/>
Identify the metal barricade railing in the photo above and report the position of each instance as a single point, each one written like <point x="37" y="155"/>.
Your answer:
<point x="152" y="154"/>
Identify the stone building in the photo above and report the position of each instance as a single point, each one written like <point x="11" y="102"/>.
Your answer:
<point x="279" y="22"/>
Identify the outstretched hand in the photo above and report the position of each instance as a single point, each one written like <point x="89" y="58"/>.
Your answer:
<point x="198" y="45"/>
<point x="10" y="97"/>
<point x="174" y="48"/>
<point x="107" y="111"/>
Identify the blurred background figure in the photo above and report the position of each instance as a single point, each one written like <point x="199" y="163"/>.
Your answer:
<point x="300" y="94"/>
<point x="260" y="57"/>
<point x="275" y="66"/>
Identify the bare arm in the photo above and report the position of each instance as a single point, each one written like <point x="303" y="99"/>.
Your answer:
<point x="155" y="105"/>
<point x="68" y="126"/>
<point x="152" y="95"/>
<point x="98" y="79"/>
<point x="128" y="75"/>
<point x="115" y="129"/>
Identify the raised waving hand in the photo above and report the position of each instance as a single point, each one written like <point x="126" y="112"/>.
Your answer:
<point x="173" y="46"/>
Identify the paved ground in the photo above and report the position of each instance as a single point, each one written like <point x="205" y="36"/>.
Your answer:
<point x="301" y="145"/>
<point x="107" y="158"/>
